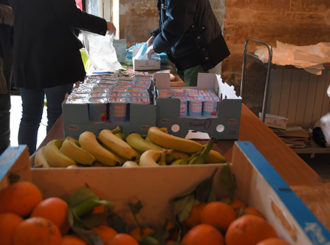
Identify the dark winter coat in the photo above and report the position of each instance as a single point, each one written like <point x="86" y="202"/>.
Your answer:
<point x="46" y="48"/>
<point x="189" y="33"/>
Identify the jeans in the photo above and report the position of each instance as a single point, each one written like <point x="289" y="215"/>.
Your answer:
<point x="189" y="75"/>
<point x="32" y="109"/>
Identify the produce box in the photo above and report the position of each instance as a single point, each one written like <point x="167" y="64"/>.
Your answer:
<point x="224" y="124"/>
<point x="76" y="119"/>
<point x="258" y="184"/>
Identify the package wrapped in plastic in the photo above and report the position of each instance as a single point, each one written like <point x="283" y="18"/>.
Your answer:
<point x="101" y="53"/>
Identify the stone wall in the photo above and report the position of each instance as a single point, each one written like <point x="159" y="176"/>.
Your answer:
<point x="138" y="18"/>
<point x="298" y="22"/>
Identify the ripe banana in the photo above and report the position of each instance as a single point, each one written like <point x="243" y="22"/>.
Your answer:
<point x="130" y="164"/>
<point x="40" y="158"/>
<point x="140" y="144"/>
<point x="215" y="157"/>
<point x="117" y="145"/>
<point x="149" y="158"/>
<point x="71" y="148"/>
<point x="54" y="157"/>
<point x="169" y="141"/>
<point x="88" y="141"/>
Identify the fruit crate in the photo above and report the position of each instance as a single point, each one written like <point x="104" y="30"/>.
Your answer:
<point x="223" y="125"/>
<point x="258" y="185"/>
<point x="163" y="113"/>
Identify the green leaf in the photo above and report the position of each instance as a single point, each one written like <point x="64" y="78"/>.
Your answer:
<point x="89" y="237"/>
<point x="203" y="190"/>
<point x="92" y="220"/>
<point x="135" y="207"/>
<point x="149" y="240"/>
<point x="212" y="196"/>
<point x="81" y="195"/>
<point x="183" y="207"/>
<point x="161" y="233"/>
<point x="117" y="223"/>
<point x="228" y="180"/>
<point x="87" y="206"/>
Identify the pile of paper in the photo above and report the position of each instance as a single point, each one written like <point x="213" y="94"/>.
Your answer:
<point x="295" y="137"/>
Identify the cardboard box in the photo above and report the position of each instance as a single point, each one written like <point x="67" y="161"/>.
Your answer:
<point x="163" y="113"/>
<point x="258" y="184"/>
<point x="142" y="63"/>
<point x="275" y="121"/>
<point x="146" y="64"/>
<point x="225" y="125"/>
<point x="76" y="119"/>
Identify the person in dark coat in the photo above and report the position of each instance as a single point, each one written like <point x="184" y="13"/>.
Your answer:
<point x="47" y="59"/>
<point x="6" y="35"/>
<point x="190" y="35"/>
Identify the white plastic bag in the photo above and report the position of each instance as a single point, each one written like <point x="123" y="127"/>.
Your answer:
<point x="325" y="126"/>
<point x="101" y="52"/>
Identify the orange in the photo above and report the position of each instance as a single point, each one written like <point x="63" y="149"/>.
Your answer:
<point x="235" y="203"/>
<point x="273" y="241"/>
<point x="218" y="214"/>
<point x="195" y="215"/>
<point x="138" y="234"/>
<point x="248" y="230"/>
<point x="105" y="232"/>
<point x="56" y="210"/>
<point x="251" y="210"/>
<point x="37" y="231"/>
<point x="203" y="234"/>
<point x="8" y="225"/>
<point x="20" y="198"/>
<point x="72" y="240"/>
<point x="122" y="239"/>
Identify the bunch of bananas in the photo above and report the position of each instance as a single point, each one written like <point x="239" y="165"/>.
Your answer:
<point x="112" y="148"/>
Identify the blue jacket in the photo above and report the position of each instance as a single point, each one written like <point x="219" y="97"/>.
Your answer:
<point x="189" y="33"/>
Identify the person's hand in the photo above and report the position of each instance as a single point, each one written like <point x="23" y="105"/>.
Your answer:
<point x="150" y="51"/>
<point x="150" y="41"/>
<point x="111" y="28"/>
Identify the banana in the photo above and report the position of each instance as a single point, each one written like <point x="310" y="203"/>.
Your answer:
<point x="215" y="157"/>
<point x="71" y="148"/>
<point x="54" y="157"/>
<point x="117" y="145"/>
<point x="140" y="144"/>
<point x="169" y="141"/>
<point x="180" y="162"/>
<point x="149" y="158"/>
<point x="178" y="155"/>
<point x="88" y="141"/>
<point x="40" y="158"/>
<point x="130" y="164"/>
